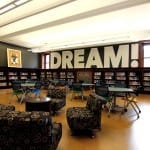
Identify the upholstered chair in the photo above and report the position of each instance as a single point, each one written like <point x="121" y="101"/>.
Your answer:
<point x="7" y="107"/>
<point x="58" y="98"/>
<point x="33" y="130"/>
<point x="85" y="118"/>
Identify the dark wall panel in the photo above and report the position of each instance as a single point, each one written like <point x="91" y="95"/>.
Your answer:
<point x="29" y="59"/>
<point x="3" y="56"/>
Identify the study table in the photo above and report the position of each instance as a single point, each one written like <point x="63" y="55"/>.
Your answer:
<point x="120" y="90"/>
<point x="129" y="100"/>
<point x="27" y="84"/>
<point x="115" y="90"/>
<point x="87" y="84"/>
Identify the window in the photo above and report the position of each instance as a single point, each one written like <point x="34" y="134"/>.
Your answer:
<point x="147" y="55"/>
<point x="45" y="61"/>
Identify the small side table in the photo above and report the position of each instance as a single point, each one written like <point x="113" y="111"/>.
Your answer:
<point x="38" y="104"/>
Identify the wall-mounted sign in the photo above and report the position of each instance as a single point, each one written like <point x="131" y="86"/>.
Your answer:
<point x="115" y="56"/>
<point x="14" y="58"/>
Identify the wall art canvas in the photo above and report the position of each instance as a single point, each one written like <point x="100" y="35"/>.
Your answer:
<point x="14" y="58"/>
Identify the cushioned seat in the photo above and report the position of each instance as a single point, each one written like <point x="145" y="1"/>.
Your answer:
<point x="82" y="118"/>
<point x="85" y="118"/>
<point x="7" y="107"/>
<point x="58" y="98"/>
<point x="28" y="131"/>
<point x="57" y="133"/>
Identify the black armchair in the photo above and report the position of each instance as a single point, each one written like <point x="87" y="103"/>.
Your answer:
<point x="58" y="98"/>
<point x="7" y="107"/>
<point x="85" y="118"/>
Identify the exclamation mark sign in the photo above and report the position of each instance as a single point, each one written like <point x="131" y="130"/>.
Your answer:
<point x="134" y="55"/>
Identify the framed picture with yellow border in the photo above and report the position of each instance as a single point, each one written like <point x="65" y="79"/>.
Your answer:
<point x="14" y="58"/>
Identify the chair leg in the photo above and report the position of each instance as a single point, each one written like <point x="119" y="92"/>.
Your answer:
<point x="82" y="97"/>
<point x="135" y="109"/>
<point x="133" y="103"/>
<point x="109" y="108"/>
<point x="22" y="97"/>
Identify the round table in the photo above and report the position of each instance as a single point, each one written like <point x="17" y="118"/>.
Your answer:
<point x="38" y="104"/>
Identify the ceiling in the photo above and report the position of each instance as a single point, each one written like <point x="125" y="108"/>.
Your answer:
<point x="45" y="25"/>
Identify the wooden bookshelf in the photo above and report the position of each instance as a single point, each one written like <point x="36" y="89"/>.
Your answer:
<point x="132" y="77"/>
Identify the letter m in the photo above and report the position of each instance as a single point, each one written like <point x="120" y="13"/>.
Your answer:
<point x="118" y="59"/>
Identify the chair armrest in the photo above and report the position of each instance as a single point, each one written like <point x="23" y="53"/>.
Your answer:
<point x="56" y="134"/>
<point x="103" y="99"/>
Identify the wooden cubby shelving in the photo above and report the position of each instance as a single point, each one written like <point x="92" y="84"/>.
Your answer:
<point x="132" y="77"/>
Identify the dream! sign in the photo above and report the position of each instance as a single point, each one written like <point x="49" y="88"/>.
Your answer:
<point x="117" y="56"/>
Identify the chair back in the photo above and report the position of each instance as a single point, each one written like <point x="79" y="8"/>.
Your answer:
<point x="138" y="90"/>
<point x="38" y="84"/>
<point x="77" y="87"/>
<point x="57" y="93"/>
<point x="100" y="82"/>
<point x="69" y="84"/>
<point x="102" y="90"/>
<point x="61" y="83"/>
<point x="16" y="85"/>
<point x="120" y="84"/>
<point x="94" y="103"/>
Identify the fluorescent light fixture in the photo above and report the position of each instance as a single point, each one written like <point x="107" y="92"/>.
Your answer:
<point x="20" y="2"/>
<point x="7" y="8"/>
<point x="12" y="5"/>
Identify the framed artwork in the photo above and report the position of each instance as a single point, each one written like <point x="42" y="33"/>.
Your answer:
<point x="14" y="58"/>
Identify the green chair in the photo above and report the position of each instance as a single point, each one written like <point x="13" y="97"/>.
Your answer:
<point x="102" y="90"/>
<point x="77" y="90"/>
<point x="122" y="85"/>
<point x="17" y="90"/>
